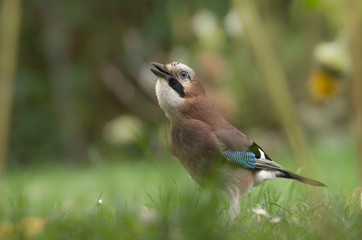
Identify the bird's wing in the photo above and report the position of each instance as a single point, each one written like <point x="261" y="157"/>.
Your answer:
<point x="252" y="160"/>
<point x="240" y="150"/>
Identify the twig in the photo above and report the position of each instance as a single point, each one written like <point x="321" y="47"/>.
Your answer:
<point x="127" y="93"/>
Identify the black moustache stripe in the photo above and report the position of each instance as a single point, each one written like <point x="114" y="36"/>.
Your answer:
<point x="177" y="86"/>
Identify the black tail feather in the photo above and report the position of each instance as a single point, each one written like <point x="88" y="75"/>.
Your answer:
<point x="287" y="174"/>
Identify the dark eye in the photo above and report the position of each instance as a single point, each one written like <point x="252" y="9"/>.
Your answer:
<point x="183" y="74"/>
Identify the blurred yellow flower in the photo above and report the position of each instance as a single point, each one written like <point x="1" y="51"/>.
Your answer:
<point x="28" y="226"/>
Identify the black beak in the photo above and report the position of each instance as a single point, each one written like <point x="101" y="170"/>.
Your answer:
<point x="161" y="70"/>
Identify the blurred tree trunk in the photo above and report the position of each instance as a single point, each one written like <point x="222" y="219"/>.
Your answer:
<point x="275" y="81"/>
<point x="9" y="30"/>
<point x="57" y="53"/>
<point x="356" y="51"/>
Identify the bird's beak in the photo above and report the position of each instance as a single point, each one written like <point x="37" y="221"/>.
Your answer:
<point x="160" y="70"/>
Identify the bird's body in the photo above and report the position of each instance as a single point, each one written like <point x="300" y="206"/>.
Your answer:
<point x="207" y="145"/>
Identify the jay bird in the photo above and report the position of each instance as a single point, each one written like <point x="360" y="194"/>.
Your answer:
<point x="207" y="145"/>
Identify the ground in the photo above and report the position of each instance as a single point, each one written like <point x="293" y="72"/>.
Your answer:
<point x="156" y="199"/>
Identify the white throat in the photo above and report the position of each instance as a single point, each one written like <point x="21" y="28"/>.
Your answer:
<point x="168" y="99"/>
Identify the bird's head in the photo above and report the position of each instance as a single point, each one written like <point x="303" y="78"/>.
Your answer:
<point x="176" y="85"/>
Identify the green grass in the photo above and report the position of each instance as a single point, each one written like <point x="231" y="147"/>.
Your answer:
<point x="157" y="200"/>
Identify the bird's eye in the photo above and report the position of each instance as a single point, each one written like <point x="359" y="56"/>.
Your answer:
<point x="183" y="74"/>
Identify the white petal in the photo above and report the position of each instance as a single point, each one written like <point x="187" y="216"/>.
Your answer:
<point x="260" y="212"/>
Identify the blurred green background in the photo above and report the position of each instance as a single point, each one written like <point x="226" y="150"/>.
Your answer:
<point x="85" y="142"/>
<point x="84" y="92"/>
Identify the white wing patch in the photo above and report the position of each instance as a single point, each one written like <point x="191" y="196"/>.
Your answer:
<point x="262" y="154"/>
<point x="263" y="175"/>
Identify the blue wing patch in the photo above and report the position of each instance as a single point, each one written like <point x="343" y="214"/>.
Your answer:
<point x="245" y="159"/>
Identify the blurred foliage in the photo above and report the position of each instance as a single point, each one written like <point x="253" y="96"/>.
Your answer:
<point x="82" y="64"/>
